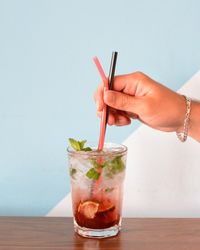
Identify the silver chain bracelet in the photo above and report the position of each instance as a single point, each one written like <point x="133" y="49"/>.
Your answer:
<point x="183" y="135"/>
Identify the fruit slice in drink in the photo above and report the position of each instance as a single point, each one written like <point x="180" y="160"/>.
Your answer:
<point x="105" y="206"/>
<point x="97" y="215"/>
<point x="88" y="209"/>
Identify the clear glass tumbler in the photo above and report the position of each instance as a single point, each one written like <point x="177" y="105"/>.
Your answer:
<point x="97" y="189"/>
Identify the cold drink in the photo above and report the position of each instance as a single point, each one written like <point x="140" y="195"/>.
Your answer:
<point x="97" y="189"/>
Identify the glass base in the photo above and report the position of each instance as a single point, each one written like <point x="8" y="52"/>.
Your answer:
<point x="97" y="233"/>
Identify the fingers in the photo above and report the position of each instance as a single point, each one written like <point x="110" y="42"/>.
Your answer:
<point x="111" y="117"/>
<point x="132" y="115"/>
<point x="125" y="83"/>
<point x="117" y="118"/>
<point x="121" y="120"/>
<point x="121" y="101"/>
<point x="133" y="84"/>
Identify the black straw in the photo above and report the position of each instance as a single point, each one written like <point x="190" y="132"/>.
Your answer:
<point x="111" y="76"/>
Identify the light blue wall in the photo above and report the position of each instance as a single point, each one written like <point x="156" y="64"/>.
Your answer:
<point x="47" y="79"/>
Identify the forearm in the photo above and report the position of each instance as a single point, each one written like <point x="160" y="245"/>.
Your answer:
<point x="194" y="125"/>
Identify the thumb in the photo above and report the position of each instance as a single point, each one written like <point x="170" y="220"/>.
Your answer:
<point x="121" y="101"/>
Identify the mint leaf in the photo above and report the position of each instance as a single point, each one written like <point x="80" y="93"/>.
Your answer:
<point x="97" y="164"/>
<point x="74" y="144"/>
<point x="117" y="165"/>
<point x="86" y="149"/>
<point x="78" y="145"/>
<point x="82" y="143"/>
<point x="92" y="174"/>
<point x="114" y="167"/>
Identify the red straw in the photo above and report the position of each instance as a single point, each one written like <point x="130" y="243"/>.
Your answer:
<point x="103" y="115"/>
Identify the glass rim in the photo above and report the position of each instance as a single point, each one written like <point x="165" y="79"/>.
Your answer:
<point x="123" y="150"/>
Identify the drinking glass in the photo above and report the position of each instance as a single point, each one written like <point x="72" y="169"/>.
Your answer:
<point x="97" y="189"/>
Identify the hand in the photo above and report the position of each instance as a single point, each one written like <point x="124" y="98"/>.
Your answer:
<point x="138" y="96"/>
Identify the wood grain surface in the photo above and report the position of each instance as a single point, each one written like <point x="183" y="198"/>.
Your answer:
<point x="137" y="234"/>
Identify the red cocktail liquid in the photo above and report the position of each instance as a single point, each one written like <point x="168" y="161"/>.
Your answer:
<point x="97" y="214"/>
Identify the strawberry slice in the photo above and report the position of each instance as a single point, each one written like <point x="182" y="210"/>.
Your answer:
<point x="88" y="209"/>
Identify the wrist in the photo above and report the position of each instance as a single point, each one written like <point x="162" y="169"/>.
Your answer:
<point x="182" y="108"/>
<point x="194" y="123"/>
<point x="184" y="133"/>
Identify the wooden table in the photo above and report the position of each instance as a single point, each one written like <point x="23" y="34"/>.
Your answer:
<point x="137" y="234"/>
